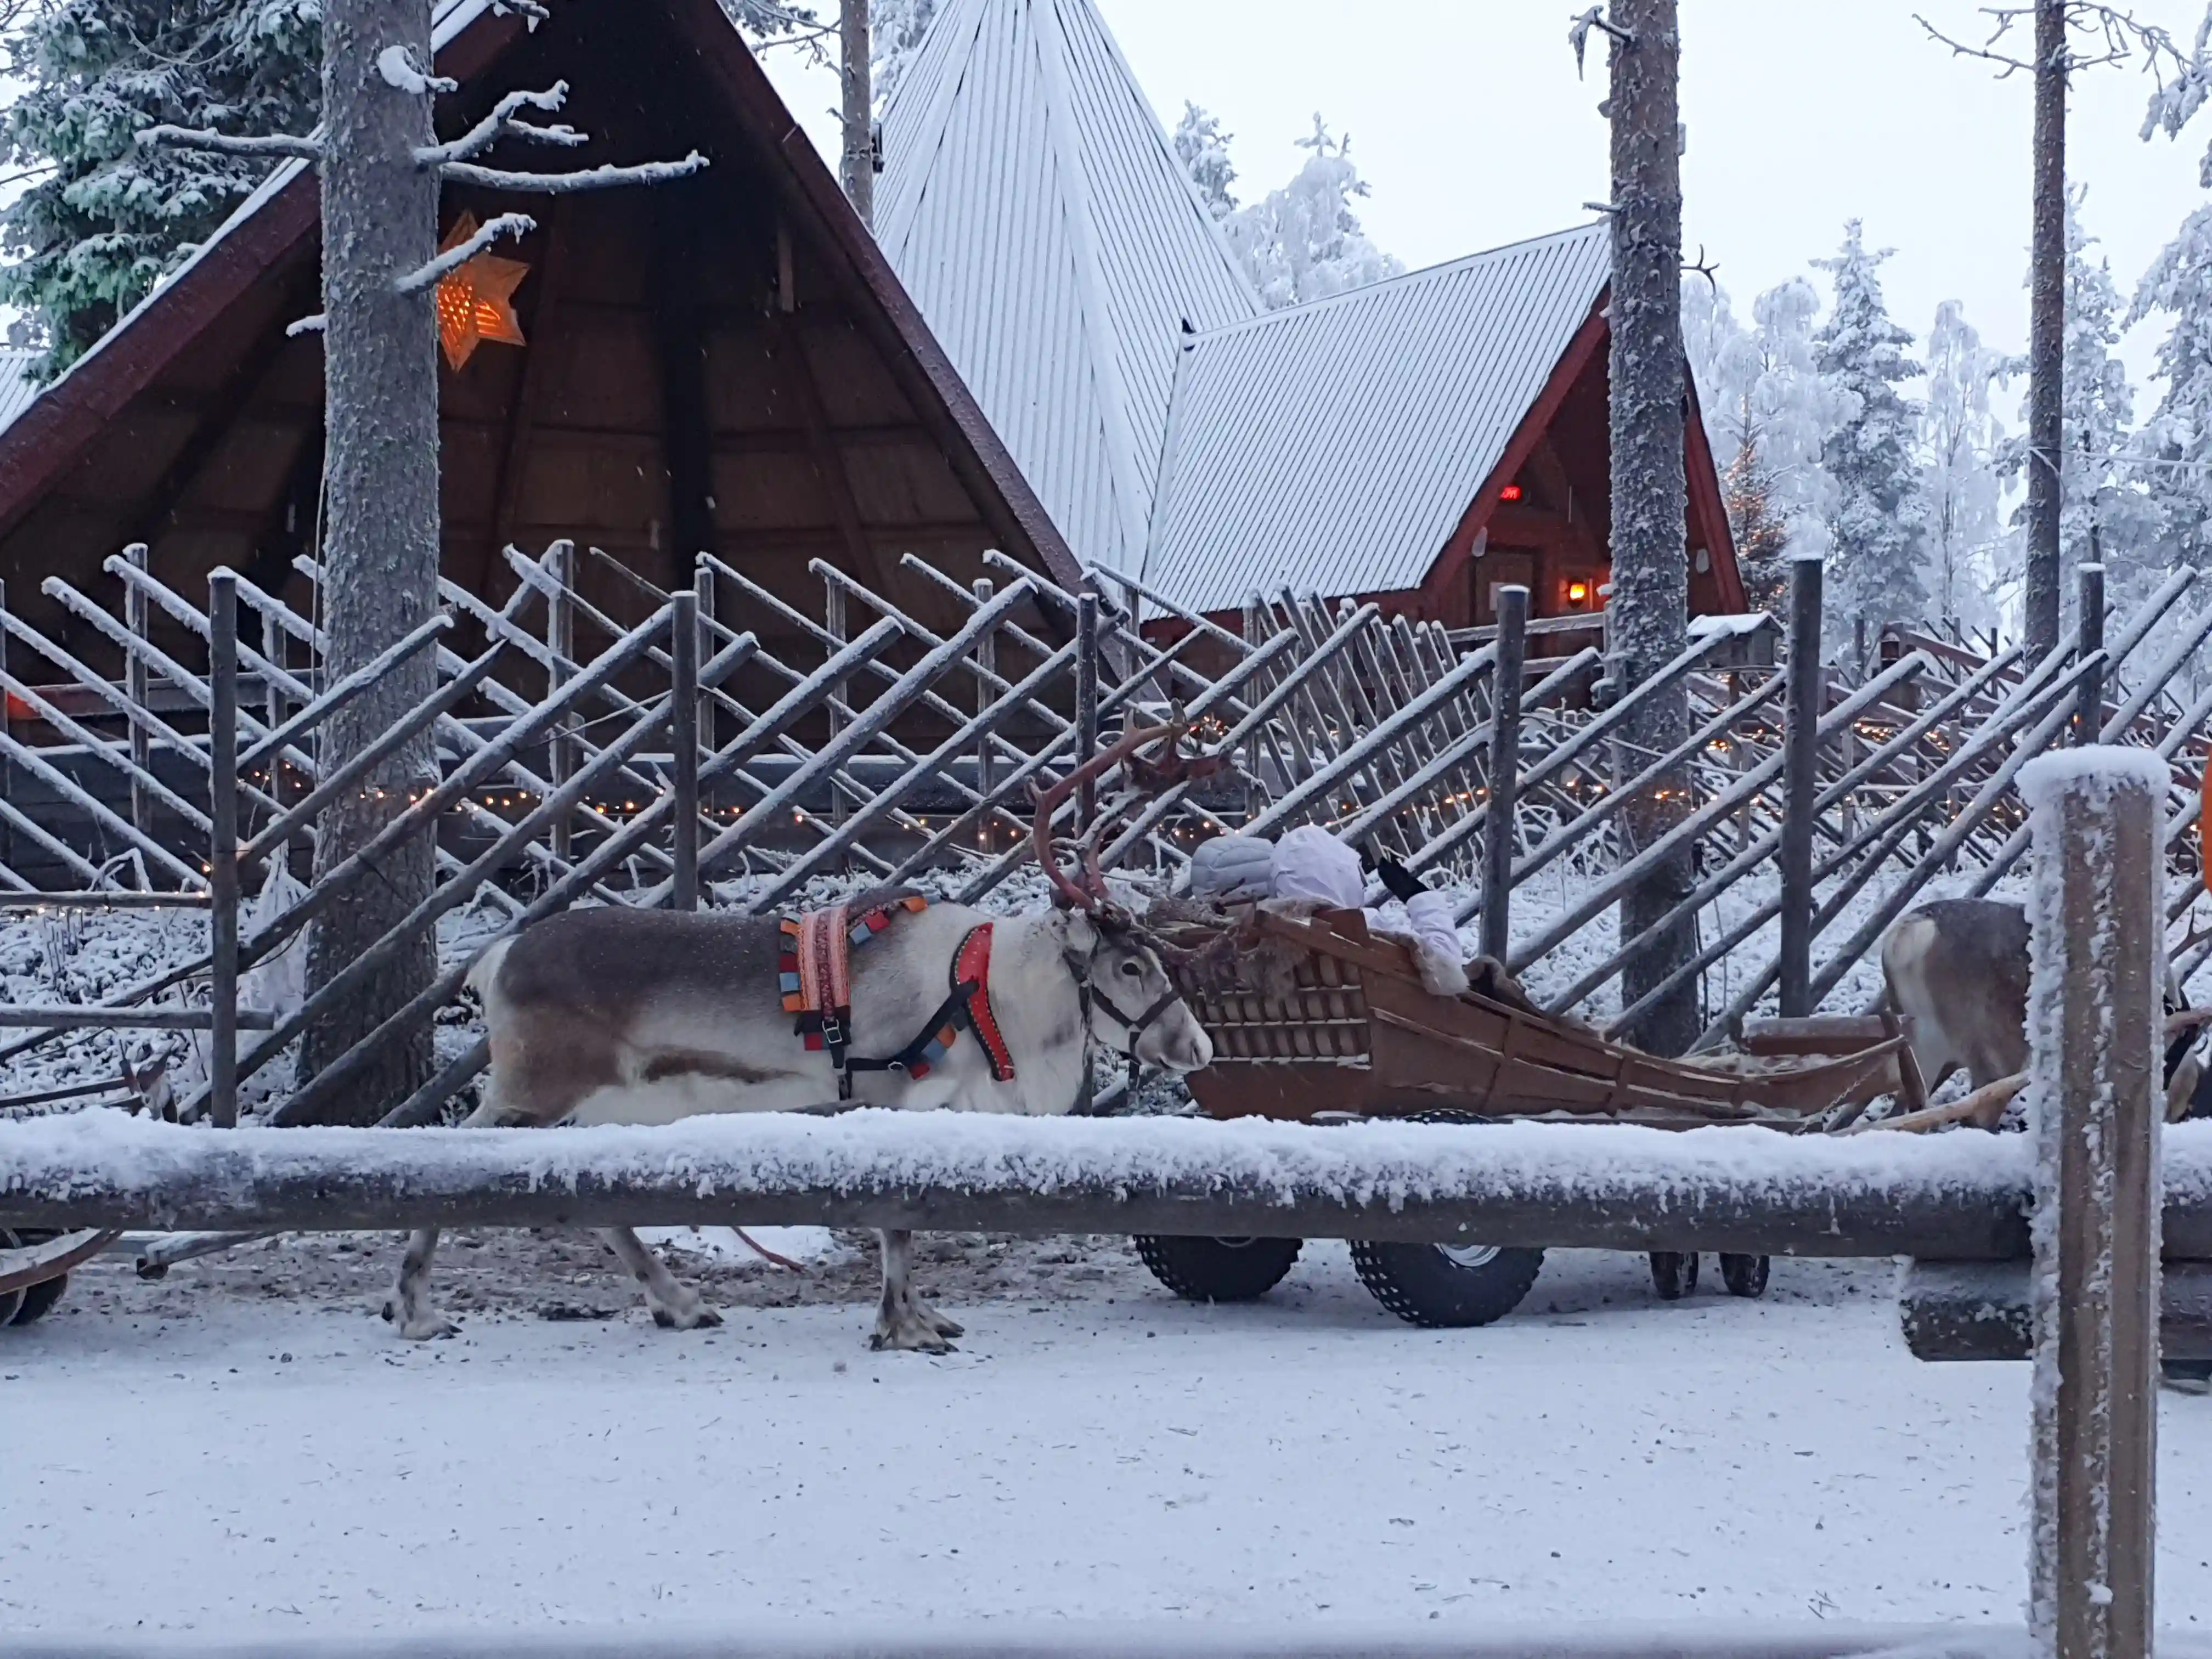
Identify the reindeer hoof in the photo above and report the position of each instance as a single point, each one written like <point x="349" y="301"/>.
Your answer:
<point x="701" y="1317"/>
<point x="914" y="1334"/>
<point x="423" y="1327"/>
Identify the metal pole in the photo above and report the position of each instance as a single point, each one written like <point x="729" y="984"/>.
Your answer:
<point x="2088" y="641"/>
<point x="1801" y="785"/>
<point x="1500" y="838"/>
<point x="1086" y="699"/>
<point x="2093" y="1098"/>
<point x="135" y="684"/>
<point x="222" y="847"/>
<point x="561" y="640"/>
<point x="684" y="746"/>
<point x="987" y="663"/>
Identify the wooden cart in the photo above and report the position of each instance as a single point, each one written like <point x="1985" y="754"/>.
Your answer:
<point x="1315" y="1019"/>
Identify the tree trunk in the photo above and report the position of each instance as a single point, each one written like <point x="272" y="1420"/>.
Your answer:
<point x="858" y="164"/>
<point x="1649" y="604"/>
<point x="2046" y="331"/>
<point x="381" y="546"/>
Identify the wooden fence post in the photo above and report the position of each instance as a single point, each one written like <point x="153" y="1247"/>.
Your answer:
<point x="1255" y="634"/>
<point x="833" y="617"/>
<point x="684" y="747"/>
<point x="703" y="587"/>
<point x="222" y="849"/>
<point x="560" y="639"/>
<point x="2092" y="1099"/>
<point x="987" y="663"/>
<point x="1500" y="840"/>
<point x="1086" y="700"/>
<point x="135" y="686"/>
<point x="1801" y="785"/>
<point x="2088" y="641"/>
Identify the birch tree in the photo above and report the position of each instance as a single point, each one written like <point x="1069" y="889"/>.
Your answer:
<point x="1962" y="447"/>
<point x="380" y="166"/>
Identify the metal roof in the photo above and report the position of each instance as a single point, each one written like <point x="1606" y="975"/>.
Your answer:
<point x="17" y="388"/>
<point x="1033" y="208"/>
<point x="1335" y="446"/>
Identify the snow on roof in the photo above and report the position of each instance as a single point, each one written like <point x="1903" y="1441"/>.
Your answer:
<point x="17" y="388"/>
<point x="1335" y="446"/>
<point x="1034" y="209"/>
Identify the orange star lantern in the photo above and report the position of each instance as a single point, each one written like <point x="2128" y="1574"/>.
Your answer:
<point x="476" y="302"/>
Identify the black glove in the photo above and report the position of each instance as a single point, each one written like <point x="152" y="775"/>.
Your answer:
<point x="1402" y="883"/>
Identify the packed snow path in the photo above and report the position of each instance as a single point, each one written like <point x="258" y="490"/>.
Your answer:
<point x="1099" y="1453"/>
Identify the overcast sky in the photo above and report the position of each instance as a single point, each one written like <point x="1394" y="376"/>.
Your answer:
<point x="1470" y="127"/>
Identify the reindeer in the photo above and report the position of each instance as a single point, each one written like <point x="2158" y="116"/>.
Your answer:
<point x="1957" y="971"/>
<point x="619" y="1016"/>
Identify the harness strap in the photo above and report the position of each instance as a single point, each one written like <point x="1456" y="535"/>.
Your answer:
<point x="970" y="1001"/>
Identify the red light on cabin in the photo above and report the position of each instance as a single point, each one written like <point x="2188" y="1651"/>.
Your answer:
<point x="1511" y="493"/>
<point x="1578" y="593"/>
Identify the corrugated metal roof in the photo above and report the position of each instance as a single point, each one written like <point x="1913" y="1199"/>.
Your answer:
<point x="1033" y="208"/>
<point x="1335" y="446"/>
<point x="17" y="388"/>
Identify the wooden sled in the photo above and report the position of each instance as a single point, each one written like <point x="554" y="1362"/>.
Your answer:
<point x="1357" y="1034"/>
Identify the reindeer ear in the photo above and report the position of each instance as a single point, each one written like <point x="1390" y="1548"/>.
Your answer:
<point x="1081" y="932"/>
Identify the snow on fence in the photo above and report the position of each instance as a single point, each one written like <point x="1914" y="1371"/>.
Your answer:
<point x="602" y="737"/>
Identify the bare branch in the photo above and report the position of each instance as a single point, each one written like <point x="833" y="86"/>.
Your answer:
<point x="2115" y="37"/>
<point x="507" y="224"/>
<point x="275" y="144"/>
<point x="1704" y="268"/>
<point x="569" y="183"/>
<point x="1578" y="34"/>
<point x="502" y="124"/>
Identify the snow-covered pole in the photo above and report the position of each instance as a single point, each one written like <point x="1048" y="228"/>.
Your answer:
<point x="222" y="849"/>
<point x="1086" y="701"/>
<point x="684" y="748"/>
<point x="1499" y="841"/>
<point x="1649" y="611"/>
<point x="2046" y="347"/>
<point x="857" y="162"/>
<point x="135" y="688"/>
<point x="2089" y="643"/>
<point x="2098" y="951"/>
<point x="1801" y="784"/>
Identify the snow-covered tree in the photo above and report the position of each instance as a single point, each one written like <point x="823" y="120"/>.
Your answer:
<point x="898" y="29"/>
<point x="107" y="217"/>
<point x="1767" y="412"/>
<point x="1875" y="528"/>
<point x="2101" y="511"/>
<point x="1962" y="449"/>
<point x="1304" y="241"/>
<point x="2173" y="452"/>
<point x="1203" y="148"/>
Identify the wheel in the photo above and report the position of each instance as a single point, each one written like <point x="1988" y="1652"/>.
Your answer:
<point x="12" y="1302"/>
<point x="1746" y="1275"/>
<point x="1218" y="1269"/>
<point x="21" y="1307"/>
<point x="1446" y="1285"/>
<point x="1674" y="1273"/>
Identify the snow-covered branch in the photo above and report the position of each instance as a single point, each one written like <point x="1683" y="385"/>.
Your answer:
<point x="1579" y="35"/>
<point x="313" y="324"/>
<point x="402" y="74"/>
<point x="274" y="143"/>
<point x="502" y="124"/>
<point x="507" y="224"/>
<point x="569" y="183"/>
<point x="2115" y="37"/>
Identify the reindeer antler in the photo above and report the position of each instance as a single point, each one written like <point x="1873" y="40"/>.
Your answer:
<point x="1150" y="776"/>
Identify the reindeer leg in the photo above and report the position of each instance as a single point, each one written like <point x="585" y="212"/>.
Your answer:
<point x="904" y="1320"/>
<point x="675" y="1305"/>
<point x="409" y="1306"/>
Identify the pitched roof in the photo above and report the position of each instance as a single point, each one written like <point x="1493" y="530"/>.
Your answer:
<point x="66" y="439"/>
<point x="17" y="388"/>
<point x="1335" y="446"/>
<point x="1036" y="210"/>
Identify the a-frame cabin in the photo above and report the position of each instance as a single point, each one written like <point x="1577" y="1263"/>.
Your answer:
<point x="724" y="364"/>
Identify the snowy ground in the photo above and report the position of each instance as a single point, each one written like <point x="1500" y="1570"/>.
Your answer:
<point x="247" y="1449"/>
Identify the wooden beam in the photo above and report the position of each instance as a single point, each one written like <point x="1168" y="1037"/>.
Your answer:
<point x="680" y="340"/>
<point x="787" y="352"/>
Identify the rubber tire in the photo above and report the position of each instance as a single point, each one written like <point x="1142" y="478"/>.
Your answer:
<point x="1424" y="1286"/>
<point x="1218" y="1269"/>
<point x="1674" y="1273"/>
<point x="12" y="1302"/>
<point x="1746" y="1275"/>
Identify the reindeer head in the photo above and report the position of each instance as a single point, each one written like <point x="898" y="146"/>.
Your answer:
<point x="1137" y="1007"/>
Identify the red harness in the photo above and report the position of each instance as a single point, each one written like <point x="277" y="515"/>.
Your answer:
<point x="814" y="974"/>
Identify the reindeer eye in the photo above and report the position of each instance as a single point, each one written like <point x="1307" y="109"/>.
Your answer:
<point x="1133" y="970"/>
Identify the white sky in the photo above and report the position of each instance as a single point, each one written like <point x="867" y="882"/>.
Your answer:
<point x="1469" y="125"/>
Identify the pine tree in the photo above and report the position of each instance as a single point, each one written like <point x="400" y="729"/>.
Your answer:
<point x="2173" y="452"/>
<point x="2101" y="514"/>
<point x="108" y="217"/>
<point x="1761" y="536"/>
<point x="898" y="27"/>
<point x="1874" y="528"/>
<point x="1203" y="148"/>
<point x="1304" y="241"/>
<point x="1963" y="445"/>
